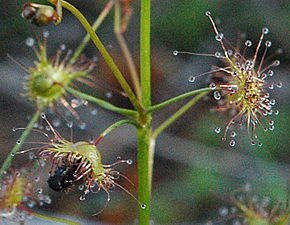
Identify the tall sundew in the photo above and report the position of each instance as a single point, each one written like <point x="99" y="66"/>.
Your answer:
<point x="240" y="86"/>
<point x="47" y="81"/>
<point x="79" y="163"/>
<point x="18" y="194"/>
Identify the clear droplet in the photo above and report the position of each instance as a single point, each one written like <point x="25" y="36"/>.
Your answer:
<point x="232" y="143"/>
<point x="276" y="112"/>
<point x="94" y="112"/>
<point x="219" y="36"/>
<point x="276" y="63"/>
<point x="62" y="47"/>
<point x="265" y="30"/>
<point x="81" y="187"/>
<point x="207" y="13"/>
<point x="129" y="161"/>
<point x="43" y="116"/>
<point x="212" y="86"/>
<point x="260" y="144"/>
<point x="248" y="43"/>
<point x="271" y="128"/>
<point x="69" y="124"/>
<point x="234" y="73"/>
<point x="143" y="206"/>
<point x="268" y="44"/>
<point x="279" y="85"/>
<point x="217" y="130"/>
<point x="217" y="95"/>
<point x="12" y="154"/>
<point x="82" y="197"/>
<point x="175" y="52"/>
<point x="29" y="42"/>
<point x="218" y="55"/>
<point x="75" y="103"/>
<point x="233" y="134"/>
<point x="270" y="73"/>
<point x="18" y="142"/>
<point x="223" y="211"/>
<point x="191" y="79"/>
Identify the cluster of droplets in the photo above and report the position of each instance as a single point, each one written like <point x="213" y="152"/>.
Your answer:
<point x="242" y="88"/>
<point x="17" y="192"/>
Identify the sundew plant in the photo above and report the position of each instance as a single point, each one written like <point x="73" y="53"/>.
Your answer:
<point x="144" y="112"/>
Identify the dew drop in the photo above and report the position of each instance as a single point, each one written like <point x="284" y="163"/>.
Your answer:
<point x="218" y="55"/>
<point x="276" y="63"/>
<point x="94" y="112"/>
<point x="272" y="102"/>
<point x="217" y="95"/>
<point x="265" y="129"/>
<point x="233" y="134"/>
<point x="219" y="37"/>
<point x="248" y="43"/>
<point x="62" y="47"/>
<point x="217" y="130"/>
<point x="279" y="85"/>
<point x="276" y="112"/>
<point x="271" y="86"/>
<point x="82" y="197"/>
<point x="129" y="161"/>
<point x="268" y="44"/>
<point x="270" y="73"/>
<point x="14" y="129"/>
<point x="223" y="211"/>
<point x="212" y="86"/>
<point x="36" y="179"/>
<point x="109" y="94"/>
<point x="47" y="200"/>
<point x="265" y="30"/>
<point x="230" y="52"/>
<point x="143" y="206"/>
<point x="17" y="173"/>
<point x="235" y="73"/>
<point x="260" y="144"/>
<point x="82" y="125"/>
<point x="81" y="187"/>
<point x="232" y="143"/>
<point x="191" y="79"/>
<point x="69" y="124"/>
<point x="12" y="154"/>
<point x="75" y="103"/>
<point x="45" y="34"/>
<point x="271" y="128"/>
<point x="175" y="52"/>
<point x="56" y="122"/>
<point x="39" y="190"/>
<point x="29" y="42"/>
<point x="43" y="116"/>
<point x="18" y="142"/>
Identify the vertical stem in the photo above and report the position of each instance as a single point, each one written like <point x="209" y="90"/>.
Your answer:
<point x="143" y="133"/>
<point x="145" y="66"/>
<point x="16" y="148"/>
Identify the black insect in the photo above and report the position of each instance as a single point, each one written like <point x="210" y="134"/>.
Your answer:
<point x="63" y="177"/>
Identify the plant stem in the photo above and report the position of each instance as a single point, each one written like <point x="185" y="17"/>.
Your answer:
<point x="145" y="61"/>
<point x="126" y="51"/>
<point x="95" y="26"/>
<point x="16" y="147"/>
<point x="176" y="99"/>
<point x="44" y="217"/>
<point x="113" y="127"/>
<point x="143" y="133"/>
<point x="105" y="54"/>
<point x="104" y="104"/>
<point x="176" y="115"/>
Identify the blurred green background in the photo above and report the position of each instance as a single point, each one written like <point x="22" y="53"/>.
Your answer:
<point x="195" y="172"/>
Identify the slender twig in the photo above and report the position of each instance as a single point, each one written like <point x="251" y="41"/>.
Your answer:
<point x="104" y="104"/>
<point x="177" y="98"/>
<point x="105" y="54"/>
<point x="17" y="146"/>
<point x="126" y="52"/>
<point x="176" y="115"/>
<point x="143" y="133"/>
<point x="95" y="26"/>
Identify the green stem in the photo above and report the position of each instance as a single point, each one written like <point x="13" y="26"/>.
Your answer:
<point x="145" y="61"/>
<point x="176" y="115"/>
<point x="8" y="160"/>
<point x="143" y="135"/>
<point x="48" y="217"/>
<point x="176" y="99"/>
<point x="95" y="26"/>
<point x="113" y="127"/>
<point x="105" y="55"/>
<point x="126" y="52"/>
<point x="103" y="103"/>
